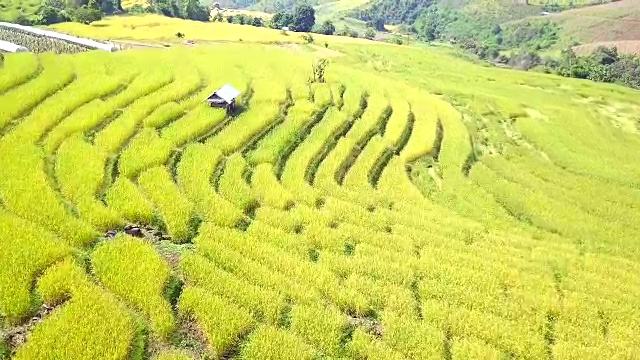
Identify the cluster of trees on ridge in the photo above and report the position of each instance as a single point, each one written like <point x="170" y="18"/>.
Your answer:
<point x="82" y="11"/>
<point x="88" y="11"/>
<point x="302" y="19"/>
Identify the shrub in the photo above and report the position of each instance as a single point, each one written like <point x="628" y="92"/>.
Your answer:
<point x="370" y="34"/>
<point x="257" y="22"/>
<point x="304" y="18"/>
<point x="49" y="15"/>
<point x="327" y="28"/>
<point x="137" y="9"/>
<point x="308" y="38"/>
<point x="86" y="15"/>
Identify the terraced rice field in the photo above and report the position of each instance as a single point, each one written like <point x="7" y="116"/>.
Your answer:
<point x="161" y="28"/>
<point x="414" y="206"/>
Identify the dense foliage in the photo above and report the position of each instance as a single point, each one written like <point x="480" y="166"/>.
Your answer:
<point x="185" y="9"/>
<point x="441" y="23"/>
<point x="603" y="65"/>
<point x="327" y="28"/>
<point x="394" y="12"/>
<point x="302" y="19"/>
<point x="241" y="19"/>
<point x="82" y="11"/>
<point x="275" y="6"/>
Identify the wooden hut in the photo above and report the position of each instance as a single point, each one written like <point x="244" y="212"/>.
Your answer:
<point x="224" y="97"/>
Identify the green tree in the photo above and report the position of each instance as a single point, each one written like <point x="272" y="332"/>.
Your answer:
<point x="52" y="12"/>
<point x="166" y="8"/>
<point x="93" y="4"/>
<point x="274" y="23"/>
<point x="56" y="4"/>
<point x="177" y="9"/>
<point x="137" y="9"/>
<point x="109" y="6"/>
<point x="257" y="22"/>
<point x="605" y="55"/>
<point x="370" y="34"/>
<point x="327" y="28"/>
<point x="627" y="70"/>
<point x="304" y="18"/>
<point x="22" y="19"/>
<point x="377" y="23"/>
<point x="239" y="19"/>
<point x="196" y="11"/>
<point x="48" y="15"/>
<point x="86" y="15"/>
<point x="280" y="20"/>
<point x="428" y="25"/>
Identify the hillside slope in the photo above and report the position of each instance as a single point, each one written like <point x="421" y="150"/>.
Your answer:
<point x="401" y="202"/>
<point x="616" y="23"/>
<point x="11" y="9"/>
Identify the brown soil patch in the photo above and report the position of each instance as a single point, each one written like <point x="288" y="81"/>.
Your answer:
<point x="624" y="46"/>
<point x="369" y="325"/>
<point x="605" y="8"/>
<point x="190" y="338"/>
<point x="17" y="335"/>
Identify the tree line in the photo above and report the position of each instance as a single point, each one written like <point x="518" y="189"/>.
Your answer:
<point x="82" y="11"/>
<point x="88" y="11"/>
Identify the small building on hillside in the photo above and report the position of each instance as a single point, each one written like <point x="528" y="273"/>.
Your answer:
<point x="224" y="97"/>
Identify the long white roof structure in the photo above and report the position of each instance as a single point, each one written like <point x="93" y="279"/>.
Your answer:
<point x="11" y="47"/>
<point x="56" y="35"/>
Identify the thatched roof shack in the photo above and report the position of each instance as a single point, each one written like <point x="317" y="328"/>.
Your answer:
<point x="11" y="47"/>
<point x="224" y="97"/>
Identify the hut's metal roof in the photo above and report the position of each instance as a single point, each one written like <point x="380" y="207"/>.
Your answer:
<point x="11" y="47"/>
<point x="226" y="92"/>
